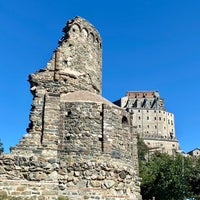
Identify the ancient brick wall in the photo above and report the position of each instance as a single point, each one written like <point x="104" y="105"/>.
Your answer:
<point x="75" y="177"/>
<point x="96" y="157"/>
<point x="78" y="144"/>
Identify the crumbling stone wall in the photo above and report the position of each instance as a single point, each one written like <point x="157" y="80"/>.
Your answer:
<point x="77" y="178"/>
<point x="78" y="144"/>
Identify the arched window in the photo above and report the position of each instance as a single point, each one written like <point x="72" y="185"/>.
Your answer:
<point x="124" y="120"/>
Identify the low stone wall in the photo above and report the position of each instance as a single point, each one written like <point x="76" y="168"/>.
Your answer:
<point x="76" y="177"/>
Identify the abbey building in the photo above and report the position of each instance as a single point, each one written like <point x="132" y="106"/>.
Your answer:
<point x="154" y="124"/>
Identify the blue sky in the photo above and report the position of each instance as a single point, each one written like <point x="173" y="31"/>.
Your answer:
<point x="147" y="45"/>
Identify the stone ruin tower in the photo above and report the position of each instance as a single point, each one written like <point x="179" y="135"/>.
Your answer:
<point x="79" y="145"/>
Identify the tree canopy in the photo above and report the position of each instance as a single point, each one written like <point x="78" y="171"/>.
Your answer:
<point x="170" y="177"/>
<point x="1" y="147"/>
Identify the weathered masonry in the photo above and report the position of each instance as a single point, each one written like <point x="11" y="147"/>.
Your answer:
<point x="78" y="144"/>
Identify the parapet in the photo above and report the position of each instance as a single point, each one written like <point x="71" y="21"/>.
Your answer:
<point x="143" y="94"/>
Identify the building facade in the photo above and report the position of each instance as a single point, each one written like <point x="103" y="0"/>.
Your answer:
<point x="154" y="124"/>
<point x="195" y="152"/>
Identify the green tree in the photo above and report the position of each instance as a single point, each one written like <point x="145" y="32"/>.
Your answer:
<point x="194" y="179"/>
<point x="1" y="147"/>
<point x="142" y="149"/>
<point x="165" y="177"/>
